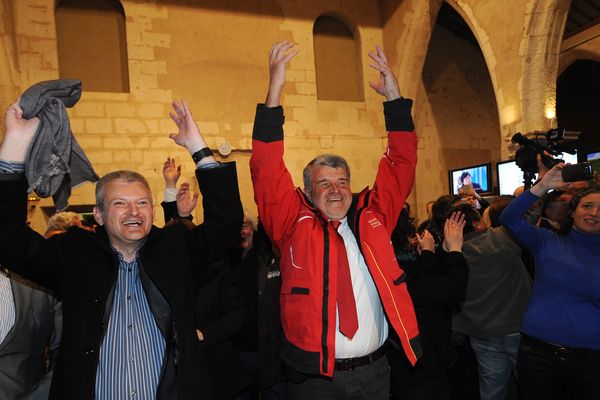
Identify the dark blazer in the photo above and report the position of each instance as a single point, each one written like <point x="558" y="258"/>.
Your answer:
<point x="435" y="283"/>
<point x="220" y="314"/>
<point x="25" y="370"/>
<point x="81" y="268"/>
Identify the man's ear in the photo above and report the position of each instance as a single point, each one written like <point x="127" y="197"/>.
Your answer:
<point x="307" y="193"/>
<point x="98" y="216"/>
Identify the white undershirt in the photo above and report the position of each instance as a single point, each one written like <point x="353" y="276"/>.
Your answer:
<point x="7" y="306"/>
<point x="372" y="325"/>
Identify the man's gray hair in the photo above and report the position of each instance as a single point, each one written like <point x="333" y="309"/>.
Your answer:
<point x="122" y="175"/>
<point x="326" y="160"/>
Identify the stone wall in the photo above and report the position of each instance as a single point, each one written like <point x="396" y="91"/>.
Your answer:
<point x="214" y="54"/>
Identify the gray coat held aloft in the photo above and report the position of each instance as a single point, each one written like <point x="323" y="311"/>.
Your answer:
<point x="55" y="161"/>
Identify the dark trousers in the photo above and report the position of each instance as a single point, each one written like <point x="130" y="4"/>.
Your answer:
<point x="437" y="388"/>
<point x="550" y="372"/>
<point x="262" y="388"/>
<point x="368" y="382"/>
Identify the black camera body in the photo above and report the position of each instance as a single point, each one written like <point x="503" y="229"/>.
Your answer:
<point x="554" y="142"/>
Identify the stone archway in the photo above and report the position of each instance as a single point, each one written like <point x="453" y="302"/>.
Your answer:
<point x="459" y="126"/>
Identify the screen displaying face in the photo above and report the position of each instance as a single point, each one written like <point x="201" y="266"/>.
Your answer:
<point x="475" y="177"/>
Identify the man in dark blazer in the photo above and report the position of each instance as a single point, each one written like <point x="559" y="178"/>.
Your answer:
<point x="128" y="267"/>
<point x="28" y="351"/>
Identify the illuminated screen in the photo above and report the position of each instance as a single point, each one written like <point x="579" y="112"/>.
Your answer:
<point x="569" y="158"/>
<point x="510" y="177"/>
<point x="592" y="156"/>
<point x="479" y="175"/>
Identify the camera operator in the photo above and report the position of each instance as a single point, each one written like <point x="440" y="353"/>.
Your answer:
<point x="560" y="350"/>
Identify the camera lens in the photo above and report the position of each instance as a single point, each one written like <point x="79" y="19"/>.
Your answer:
<point x="577" y="172"/>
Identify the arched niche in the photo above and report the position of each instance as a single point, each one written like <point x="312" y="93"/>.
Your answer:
<point x="337" y="60"/>
<point x="92" y="44"/>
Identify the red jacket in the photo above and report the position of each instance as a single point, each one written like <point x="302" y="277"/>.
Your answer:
<point x="308" y="295"/>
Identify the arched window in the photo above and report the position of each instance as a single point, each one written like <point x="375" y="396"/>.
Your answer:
<point x="336" y="61"/>
<point x="92" y="44"/>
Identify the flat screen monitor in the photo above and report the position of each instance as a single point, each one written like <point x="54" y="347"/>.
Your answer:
<point x="592" y="156"/>
<point x="478" y="175"/>
<point x="509" y="176"/>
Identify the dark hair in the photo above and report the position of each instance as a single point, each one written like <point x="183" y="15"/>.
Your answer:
<point x="471" y="215"/>
<point x="463" y="176"/>
<point x="497" y="207"/>
<point x="439" y="209"/>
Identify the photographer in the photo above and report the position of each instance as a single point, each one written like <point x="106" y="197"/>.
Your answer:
<point x="560" y="350"/>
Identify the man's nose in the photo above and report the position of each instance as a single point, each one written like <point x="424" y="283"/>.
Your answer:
<point x="133" y="209"/>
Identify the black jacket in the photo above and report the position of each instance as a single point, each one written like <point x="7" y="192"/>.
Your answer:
<point x="435" y="283"/>
<point x="221" y="313"/>
<point x="81" y="268"/>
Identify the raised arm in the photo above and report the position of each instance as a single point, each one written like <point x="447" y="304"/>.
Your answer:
<point x="279" y="56"/>
<point x="513" y="216"/>
<point x="274" y="190"/>
<point x="21" y="249"/>
<point x="221" y="204"/>
<point x="189" y="135"/>
<point x="396" y="172"/>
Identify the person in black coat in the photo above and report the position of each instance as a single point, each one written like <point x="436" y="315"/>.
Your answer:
<point x="435" y="281"/>
<point x="83" y="267"/>
<point x="220" y="310"/>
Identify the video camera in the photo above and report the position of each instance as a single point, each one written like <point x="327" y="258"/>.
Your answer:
<point x="554" y="142"/>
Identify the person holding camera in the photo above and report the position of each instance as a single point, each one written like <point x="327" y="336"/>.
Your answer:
<point x="560" y="343"/>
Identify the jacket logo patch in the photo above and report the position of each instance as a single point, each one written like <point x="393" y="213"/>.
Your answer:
<point x="273" y="274"/>
<point x="292" y="259"/>
<point x="374" y="222"/>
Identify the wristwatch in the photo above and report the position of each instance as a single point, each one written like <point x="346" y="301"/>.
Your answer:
<point x="200" y="154"/>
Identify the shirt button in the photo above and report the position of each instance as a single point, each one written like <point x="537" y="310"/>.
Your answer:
<point x="129" y="269"/>
<point x="128" y="297"/>
<point x="133" y="394"/>
<point x="131" y="360"/>
<point x="129" y="326"/>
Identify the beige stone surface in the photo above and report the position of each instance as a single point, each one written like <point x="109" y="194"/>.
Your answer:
<point x="214" y="54"/>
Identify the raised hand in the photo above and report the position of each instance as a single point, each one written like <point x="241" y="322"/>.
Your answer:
<point x="278" y="59"/>
<point x="387" y="85"/>
<point x="453" y="232"/>
<point x="186" y="201"/>
<point x="551" y="180"/>
<point x="425" y="241"/>
<point x="188" y="135"/>
<point x="18" y="134"/>
<point x="171" y="173"/>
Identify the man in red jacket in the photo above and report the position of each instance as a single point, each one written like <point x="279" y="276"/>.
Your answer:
<point x="341" y="284"/>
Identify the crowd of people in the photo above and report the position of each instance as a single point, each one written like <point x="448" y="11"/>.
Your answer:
<point x="329" y="294"/>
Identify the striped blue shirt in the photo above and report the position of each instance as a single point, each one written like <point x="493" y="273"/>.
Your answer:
<point x="7" y="306"/>
<point x="133" y="347"/>
<point x="11" y="166"/>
